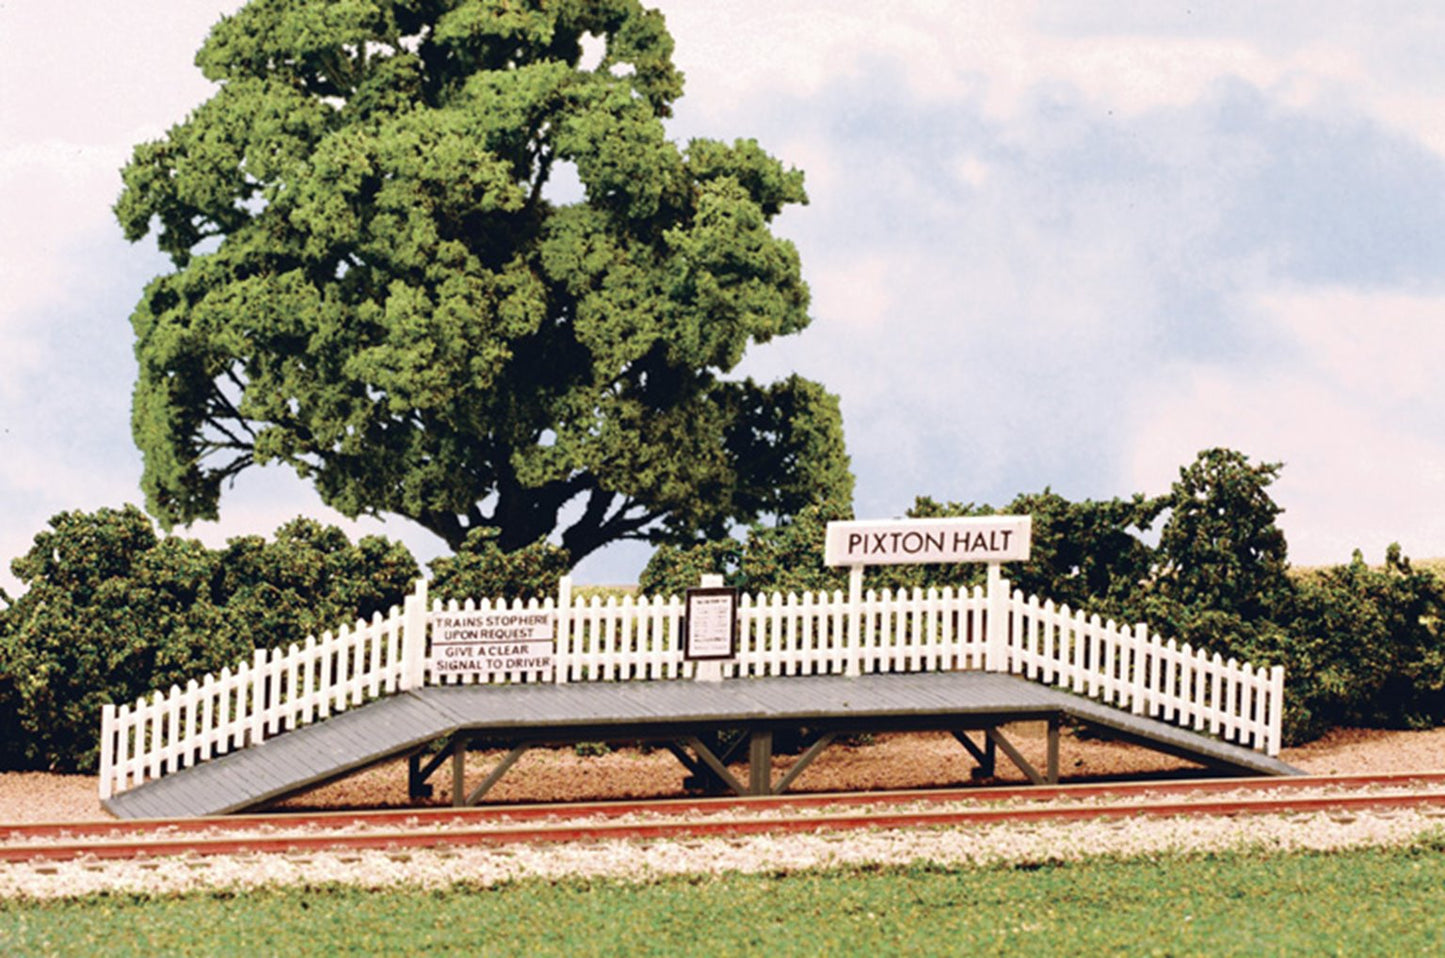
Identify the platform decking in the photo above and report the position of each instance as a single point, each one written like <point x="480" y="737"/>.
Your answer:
<point x="407" y="723"/>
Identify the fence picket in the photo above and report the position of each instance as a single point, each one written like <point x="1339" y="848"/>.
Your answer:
<point x="639" y="638"/>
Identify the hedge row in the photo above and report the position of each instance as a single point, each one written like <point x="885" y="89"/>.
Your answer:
<point x="113" y="611"/>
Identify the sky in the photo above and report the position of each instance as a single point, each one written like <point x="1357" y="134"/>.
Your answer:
<point x="1050" y="245"/>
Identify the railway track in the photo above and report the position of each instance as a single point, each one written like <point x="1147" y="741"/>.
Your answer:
<point x="416" y="828"/>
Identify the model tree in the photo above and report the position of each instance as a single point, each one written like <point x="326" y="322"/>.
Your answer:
<point x="440" y="257"/>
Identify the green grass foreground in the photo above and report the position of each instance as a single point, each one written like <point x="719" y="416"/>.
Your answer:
<point x="1362" y="902"/>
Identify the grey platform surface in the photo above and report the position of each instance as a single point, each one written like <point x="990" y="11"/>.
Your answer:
<point x="407" y="722"/>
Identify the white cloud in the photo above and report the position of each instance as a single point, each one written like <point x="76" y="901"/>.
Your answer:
<point x="1049" y="244"/>
<point x="1128" y="58"/>
<point x="1352" y="410"/>
<point x="52" y="193"/>
<point x="1382" y="349"/>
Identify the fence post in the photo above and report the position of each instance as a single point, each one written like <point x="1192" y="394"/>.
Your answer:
<point x="853" y="637"/>
<point x="413" y="639"/>
<point x="1276" y="707"/>
<point x="995" y="655"/>
<point x="107" y="749"/>
<point x="564" y="630"/>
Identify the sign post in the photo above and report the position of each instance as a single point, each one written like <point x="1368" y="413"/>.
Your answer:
<point x="710" y="628"/>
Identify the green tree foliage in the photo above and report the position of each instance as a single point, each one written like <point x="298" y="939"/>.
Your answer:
<point x="1220" y="547"/>
<point x="673" y="569"/>
<point x="1084" y="554"/>
<point x="113" y="612"/>
<point x="378" y="283"/>
<point x="481" y="570"/>
<point x="784" y="557"/>
<point x="307" y="579"/>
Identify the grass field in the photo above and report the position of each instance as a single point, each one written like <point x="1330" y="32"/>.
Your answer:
<point x="1363" y="902"/>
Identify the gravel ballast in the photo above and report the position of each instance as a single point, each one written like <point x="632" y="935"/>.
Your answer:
<point x="895" y="761"/>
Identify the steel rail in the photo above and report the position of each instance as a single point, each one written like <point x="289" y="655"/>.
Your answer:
<point x="429" y="828"/>
<point x="613" y="808"/>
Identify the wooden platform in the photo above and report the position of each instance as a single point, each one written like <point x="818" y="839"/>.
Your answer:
<point x="684" y="714"/>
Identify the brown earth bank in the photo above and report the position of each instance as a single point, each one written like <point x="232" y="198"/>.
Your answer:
<point x="898" y="761"/>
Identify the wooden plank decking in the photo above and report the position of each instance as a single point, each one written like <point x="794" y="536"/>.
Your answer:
<point x="408" y="723"/>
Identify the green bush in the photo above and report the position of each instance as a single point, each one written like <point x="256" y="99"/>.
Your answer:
<point x="308" y="579"/>
<point x="113" y="612"/>
<point x="674" y="569"/>
<point x="787" y="557"/>
<point x="481" y="570"/>
<point x="1365" y="647"/>
<point x="1220" y="548"/>
<point x="1084" y="554"/>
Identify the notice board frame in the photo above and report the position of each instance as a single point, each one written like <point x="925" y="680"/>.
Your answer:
<point x="707" y="646"/>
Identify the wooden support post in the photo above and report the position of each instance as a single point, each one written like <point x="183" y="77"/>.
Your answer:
<point x="1015" y="756"/>
<point x="413" y="639"/>
<point x="986" y="757"/>
<point x="760" y="762"/>
<point x="854" y="637"/>
<point x="417" y="773"/>
<point x="712" y="762"/>
<point x="1053" y="761"/>
<point x="693" y="765"/>
<point x="804" y="761"/>
<point x="416" y="783"/>
<point x="563" y="655"/>
<point x="498" y="772"/>
<point x="459" y="770"/>
<point x="995" y="655"/>
<point x="709" y="670"/>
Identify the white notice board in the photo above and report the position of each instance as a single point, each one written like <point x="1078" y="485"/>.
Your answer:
<point x="488" y="641"/>
<point x="710" y="628"/>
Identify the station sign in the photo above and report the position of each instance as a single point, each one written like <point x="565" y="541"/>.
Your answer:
<point x="916" y="541"/>
<point x="487" y="641"/>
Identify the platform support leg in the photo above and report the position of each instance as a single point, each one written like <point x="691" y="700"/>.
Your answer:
<point x="760" y="762"/>
<point x="416" y="784"/>
<point x="711" y="760"/>
<point x="419" y="768"/>
<point x="1015" y="756"/>
<point x="476" y="794"/>
<point x="804" y="761"/>
<point x="703" y="777"/>
<point x="986" y="757"/>
<point x="1052" y="773"/>
<point x="459" y="771"/>
<point x="460" y="796"/>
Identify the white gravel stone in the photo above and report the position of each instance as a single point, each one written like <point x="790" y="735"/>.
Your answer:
<point x="646" y="860"/>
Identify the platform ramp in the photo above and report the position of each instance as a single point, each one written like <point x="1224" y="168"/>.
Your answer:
<point x="410" y="722"/>
<point x="289" y="763"/>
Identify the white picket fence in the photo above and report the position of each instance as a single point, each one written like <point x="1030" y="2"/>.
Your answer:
<point x="640" y="638"/>
<point x="1133" y="669"/>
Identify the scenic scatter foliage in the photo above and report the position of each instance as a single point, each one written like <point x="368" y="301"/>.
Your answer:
<point x="442" y="260"/>
<point x="112" y="612"/>
<point x="481" y="570"/>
